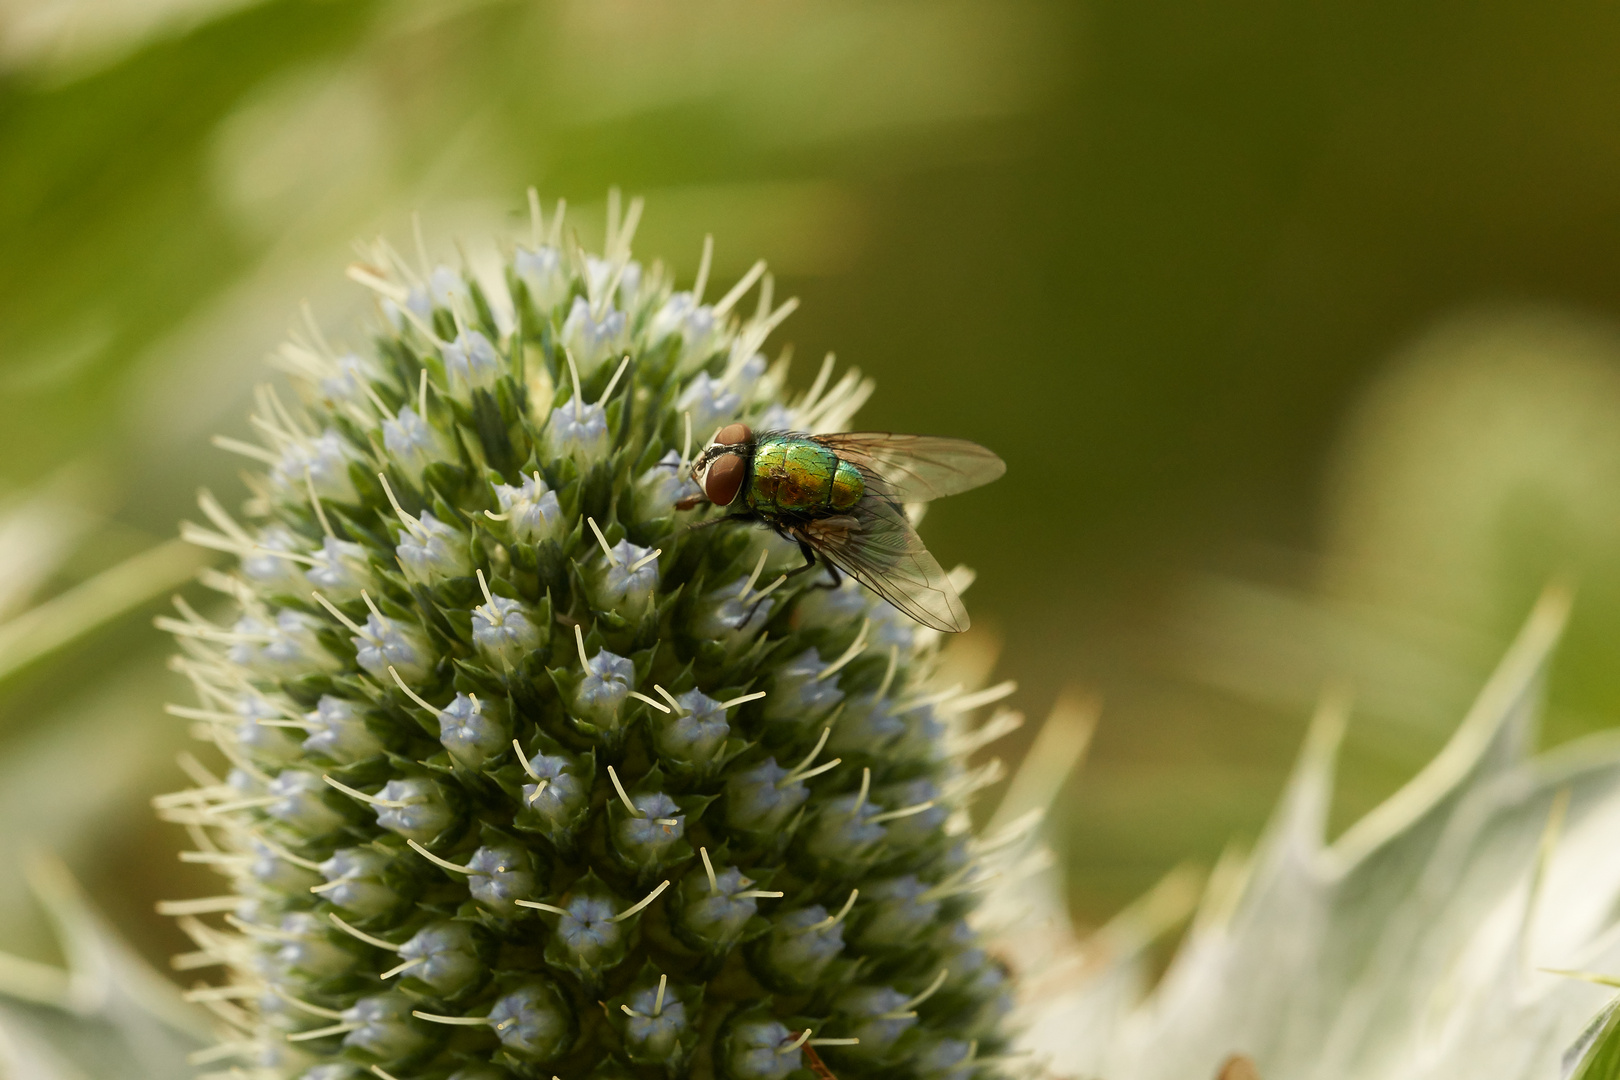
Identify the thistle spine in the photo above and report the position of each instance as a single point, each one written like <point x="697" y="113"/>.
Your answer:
<point x="524" y="777"/>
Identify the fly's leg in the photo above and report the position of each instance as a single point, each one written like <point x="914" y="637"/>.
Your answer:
<point x="712" y="522"/>
<point x="811" y="561"/>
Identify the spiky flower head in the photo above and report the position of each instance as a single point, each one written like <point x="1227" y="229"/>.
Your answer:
<point x="524" y="777"/>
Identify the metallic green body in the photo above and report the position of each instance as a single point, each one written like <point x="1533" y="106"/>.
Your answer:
<point x="800" y="477"/>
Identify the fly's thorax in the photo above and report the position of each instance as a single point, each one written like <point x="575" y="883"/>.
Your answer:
<point x="792" y="476"/>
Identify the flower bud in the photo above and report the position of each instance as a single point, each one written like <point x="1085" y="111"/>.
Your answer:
<point x="338" y="732"/>
<point x="420" y="813"/>
<point x="755" y="1048"/>
<point x="342" y="570"/>
<point x="648" y="840"/>
<point x="533" y="1022"/>
<point x="473" y="731"/>
<point x="310" y="947"/>
<point x="531" y="509"/>
<point x="356" y="882"/>
<point x="542" y="273"/>
<point x="446" y="957"/>
<point x="799" y="947"/>
<point x="393" y="643"/>
<point x="471" y="363"/>
<point x="412" y="443"/>
<point x="431" y="550"/>
<point x="592" y="339"/>
<point x="694" y="733"/>
<point x="503" y="631"/>
<point x="579" y="432"/>
<point x="712" y="917"/>
<point x="301" y="802"/>
<point x="501" y="873"/>
<point x="386" y="1030"/>
<point x="761" y="800"/>
<point x="626" y="582"/>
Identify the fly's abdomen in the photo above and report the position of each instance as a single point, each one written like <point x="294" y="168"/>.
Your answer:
<point x="793" y="476"/>
<point x="847" y="487"/>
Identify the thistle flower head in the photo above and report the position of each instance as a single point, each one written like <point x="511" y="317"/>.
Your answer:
<point x="522" y="774"/>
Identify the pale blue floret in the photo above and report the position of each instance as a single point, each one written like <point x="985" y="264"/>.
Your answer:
<point x="542" y="271"/>
<point x="729" y="613"/>
<point x="758" y="800"/>
<point x="338" y="732"/>
<point x="604" y="686"/>
<point x="577" y="431"/>
<point x="286" y="646"/>
<point x="924" y="825"/>
<point x="341" y="570"/>
<point x="471" y="361"/>
<point x="359" y="877"/>
<point x="843" y="834"/>
<point x="531" y="509"/>
<point x="530" y="1021"/>
<point x="264" y="743"/>
<point x="308" y="948"/>
<point x="502" y="630"/>
<point x="300" y="803"/>
<point x="757" y="1052"/>
<point x="390" y="643"/>
<point x="272" y="571"/>
<point x="866" y="726"/>
<point x="324" y="460"/>
<point x="563" y="795"/>
<point x="445" y="286"/>
<point x="424" y="815"/>
<point x="799" y="695"/>
<point x="719" y="917"/>
<point x="696" y="733"/>
<point x="445" y="955"/>
<point x="269" y="870"/>
<point x="599" y="275"/>
<point x="589" y="339"/>
<point x="430" y="550"/>
<point x="660" y="487"/>
<point x="748" y="374"/>
<point x="588" y="931"/>
<point x="624" y="586"/>
<point x="350" y="378"/>
<point x="386" y="1029"/>
<point x="948" y="1059"/>
<point x="471" y="733"/>
<point x="340" y="1070"/>
<point x="412" y="442"/>
<point x="896" y="913"/>
<point x="777" y="418"/>
<point x="803" y="943"/>
<point x="654" y="1027"/>
<point x="710" y="402"/>
<point x="683" y="315"/>
<point x="879" y="1017"/>
<point x="499" y="876"/>
<point x="644" y="840"/>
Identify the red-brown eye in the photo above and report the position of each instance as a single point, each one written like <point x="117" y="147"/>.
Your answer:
<point x="724" y="478"/>
<point x="732" y="434"/>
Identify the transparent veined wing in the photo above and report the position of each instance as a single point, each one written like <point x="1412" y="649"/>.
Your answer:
<point x="876" y="545"/>
<point x="917" y="468"/>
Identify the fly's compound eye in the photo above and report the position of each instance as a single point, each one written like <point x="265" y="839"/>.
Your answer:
<point x="724" y="477"/>
<point x="732" y="434"/>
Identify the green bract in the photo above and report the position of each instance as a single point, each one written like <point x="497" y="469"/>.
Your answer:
<point x="527" y="777"/>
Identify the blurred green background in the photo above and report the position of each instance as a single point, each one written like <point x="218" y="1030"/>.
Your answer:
<point x="1291" y="321"/>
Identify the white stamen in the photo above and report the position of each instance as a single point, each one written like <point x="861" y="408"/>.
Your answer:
<point x="644" y="560"/>
<point x="540" y="907"/>
<point x="411" y="523"/>
<point x="412" y="694"/>
<point x="866" y="789"/>
<point x="817" y="771"/>
<point x="536" y="219"/>
<point x="906" y="811"/>
<point x="579" y="639"/>
<point x="523" y="759"/>
<point x="340" y="617"/>
<point x="745" y="699"/>
<point x="738" y="290"/>
<point x="752" y="893"/>
<point x="658" y="1002"/>
<point x="669" y="697"/>
<point x="380" y="285"/>
<point x="835" y="1042"/>
<point x="361" y="934"/>
<point x="421" y="395"/>
<point x="614" y="381"/>
<point x="455" y="1021"/>
<point x="650" y="897"/>
<point x="406" y="966"/>
<point x="381" y="1073"/>
<point x="833" y="920"/>
<point x="659" y="705"/>
<point x="600" y="539"/>
<point x="389" y="804"/>
<point x="702" y="281"/>
<point x="933" y="988"/>
<point x="557" y="222"/>
<point x="246" y="449"/>
<point x="686" y="443"/>
<point x="202" y="906"/>
<point x="767" y="590"/>
<point x="826" y="733"/>
<point x="436" y="861"/>
<point x="315" y="501"/>
<point x="855" y="649"/>
<point x="321" y="1033"/>
<point x="888" y="676"/>
<point x="628" y="805"/>
<point x="759" y="568"/>
<point x="820" y="384"/>
<point x="573" y="371"/>
<point x="788" y="1048"/>
<point x="708" y="867"/>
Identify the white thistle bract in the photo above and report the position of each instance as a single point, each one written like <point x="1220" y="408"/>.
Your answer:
<point x="522" y="777"/>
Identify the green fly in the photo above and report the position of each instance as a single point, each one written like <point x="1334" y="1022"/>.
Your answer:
<point x="841" y="499"/>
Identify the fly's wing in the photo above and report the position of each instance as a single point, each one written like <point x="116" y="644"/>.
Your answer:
<point x="917" y="468"/>
<point x="876" y="545"/>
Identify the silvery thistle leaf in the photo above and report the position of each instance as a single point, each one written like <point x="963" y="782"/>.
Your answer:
<point x="1426" y="942"/>
<point x="518" y="774"/>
